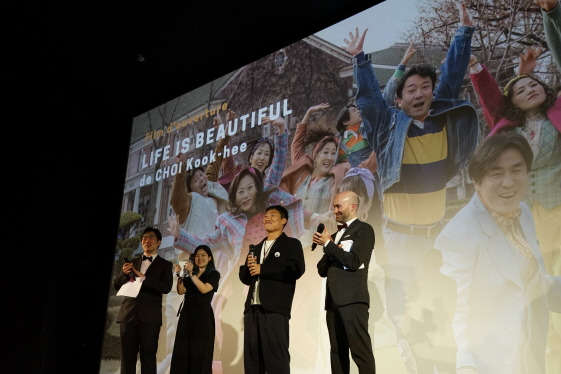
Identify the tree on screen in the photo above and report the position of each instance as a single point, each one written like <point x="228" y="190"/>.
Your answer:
<point x="504" y="29"/>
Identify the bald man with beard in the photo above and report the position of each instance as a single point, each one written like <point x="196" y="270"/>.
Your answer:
<point x="346" y="256"/>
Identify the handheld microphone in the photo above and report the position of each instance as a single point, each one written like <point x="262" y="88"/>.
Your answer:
<point x="251" y="252"/>
<point x="320" y="229"/>
<point x="131" y="274"/>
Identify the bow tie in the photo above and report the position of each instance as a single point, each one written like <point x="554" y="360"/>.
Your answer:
<point x="149" y="258"/>
<point x="341" y="226"/>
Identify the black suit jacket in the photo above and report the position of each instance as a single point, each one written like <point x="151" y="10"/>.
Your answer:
<point x="147" y="306"/>
<point x="351" y="285"/>
<point x="280" y="270"/>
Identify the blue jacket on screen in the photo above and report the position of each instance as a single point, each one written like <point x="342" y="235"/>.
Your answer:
<point x="386" y="127"/>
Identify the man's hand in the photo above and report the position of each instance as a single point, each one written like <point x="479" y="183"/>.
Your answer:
<point x="252" y="265"/>
<point x="216" y="121"/>
<point x="314" y="109"/>
<point x="465" y="17"/>
<point x="546" y="5"/>
<point x="127" y="268"/>
<point x="355" y="42"/>
<point x="411" y="50"/>
<point x="278" y="122"/>
<point x="230" y="116"/>
<point x="138" y="273"/>
<point x="528" y="58"/>
<point x="173" y="222"/>
<point x="321" y="238"/>
<point x="255" y="269"/>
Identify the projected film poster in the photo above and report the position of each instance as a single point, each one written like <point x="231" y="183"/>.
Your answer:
<point x="185" y="157"/>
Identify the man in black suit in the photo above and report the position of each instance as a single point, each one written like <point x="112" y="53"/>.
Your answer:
<point x="140" y="317"/>
<point x="271" y="275"/>
<point x="345" y="264"/>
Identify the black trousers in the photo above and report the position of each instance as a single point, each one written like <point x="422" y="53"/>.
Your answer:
<point x="348" y="330"/>
<point x="139" y="337"/>
<point x="266" y="340"/>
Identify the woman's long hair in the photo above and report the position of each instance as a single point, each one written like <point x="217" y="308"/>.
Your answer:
<point x="254" y="144"/>
<point x="514" y="113"/>
<point x="261" y="197"/>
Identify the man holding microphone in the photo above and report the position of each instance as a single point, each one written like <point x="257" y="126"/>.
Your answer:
<point x="271" y="273"/>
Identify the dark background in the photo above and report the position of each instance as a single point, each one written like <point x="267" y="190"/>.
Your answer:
<point x="71" y="85"/>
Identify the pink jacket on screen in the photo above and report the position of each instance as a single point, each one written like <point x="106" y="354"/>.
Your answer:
<point x="491" y="100"/>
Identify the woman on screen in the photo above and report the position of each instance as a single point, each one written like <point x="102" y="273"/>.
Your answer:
<point x="265" y="155"/>
<point x="198" y="199"/>
<point x="197" y="202"/>
<point x="531" y="108"/>
<point x="241" y="225"/>
<point x="314" y="178"/>
<point x="194" y="339"/>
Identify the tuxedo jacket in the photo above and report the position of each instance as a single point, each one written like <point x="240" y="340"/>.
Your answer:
<point x="147" y="306"/>
<point x="283" y="265"/>
<point x="347" y="279"/>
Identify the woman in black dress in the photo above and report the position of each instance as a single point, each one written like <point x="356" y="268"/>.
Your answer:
<point x="194" y="339"/>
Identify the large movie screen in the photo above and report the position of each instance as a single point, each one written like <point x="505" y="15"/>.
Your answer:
<point x="444" y="122"/>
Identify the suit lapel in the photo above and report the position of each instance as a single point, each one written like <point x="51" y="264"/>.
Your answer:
<point x="259" y="249"/>
<point x="498" y="247"/>
<point x="138" y="263"/>
<point x="277" y="244"/>
<point x="349" y="232"/>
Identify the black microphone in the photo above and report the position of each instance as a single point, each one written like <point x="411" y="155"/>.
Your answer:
<point x="251" y="252"/>
<point x="131" y="274"/>
<point x="320" y="229"/>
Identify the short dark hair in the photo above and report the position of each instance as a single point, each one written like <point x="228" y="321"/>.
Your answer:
<point x="343" y="116"/>
<point x="190" y="175"/>
<point x="279" y="208"/>
<point x="424" y="70"/>
<point x="490" y="150"/>
<point x="154" y="230"/>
